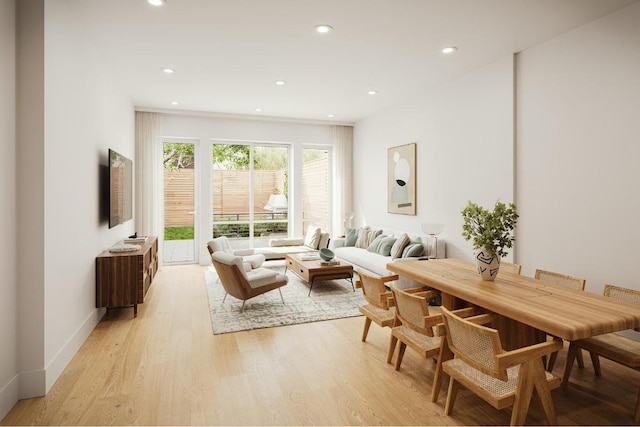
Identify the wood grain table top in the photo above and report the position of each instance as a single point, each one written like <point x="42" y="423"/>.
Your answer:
<point x="566" y="313"/>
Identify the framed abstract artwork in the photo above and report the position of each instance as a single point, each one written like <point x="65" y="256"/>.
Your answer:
<point x="401" y="170"/>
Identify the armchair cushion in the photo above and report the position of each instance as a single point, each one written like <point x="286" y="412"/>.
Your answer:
<point x="220" y="244"/>
<point x="260" y="277"/>
<point x="255" y="260"/>
<point x="249" y="257"/>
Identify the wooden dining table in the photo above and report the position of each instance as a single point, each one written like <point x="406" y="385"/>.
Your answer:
<point x="526" y="309"/>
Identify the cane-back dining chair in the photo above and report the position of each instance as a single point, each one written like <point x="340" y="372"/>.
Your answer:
<point x="568" y="282"/>
<point x="379" y="308"/>
<point x="612" y="346"/>
<point x="510" y="267"/>
<point x="483" y="367"/>
<point x="414" y="325"/>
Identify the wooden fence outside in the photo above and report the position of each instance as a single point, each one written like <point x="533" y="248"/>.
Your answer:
<point x="231" y="195"/>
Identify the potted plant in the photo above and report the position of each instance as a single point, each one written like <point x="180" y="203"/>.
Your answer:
<point x="491" y="233"/>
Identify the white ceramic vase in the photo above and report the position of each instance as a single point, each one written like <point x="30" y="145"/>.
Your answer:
<point x="486" y="264"/>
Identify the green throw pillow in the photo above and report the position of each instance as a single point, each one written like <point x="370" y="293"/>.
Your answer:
<point x="413" y="250"/>
<point x="373" y="247"/>
<point x="384" y="248"/>
<point x="351" y="236"/>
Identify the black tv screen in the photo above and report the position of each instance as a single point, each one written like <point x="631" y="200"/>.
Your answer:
<point x="120" y="188"/>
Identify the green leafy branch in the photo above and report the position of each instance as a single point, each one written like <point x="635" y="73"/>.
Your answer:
<point x="490" y="229"/>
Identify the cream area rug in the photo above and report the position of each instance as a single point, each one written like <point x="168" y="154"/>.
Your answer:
<point x="333" y="299"/>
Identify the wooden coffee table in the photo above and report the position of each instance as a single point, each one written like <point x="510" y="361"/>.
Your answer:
<point x="312" y="271"/>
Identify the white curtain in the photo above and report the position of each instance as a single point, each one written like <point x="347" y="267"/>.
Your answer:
<point x="147" y="186"/>
<point x="343" y="176"/>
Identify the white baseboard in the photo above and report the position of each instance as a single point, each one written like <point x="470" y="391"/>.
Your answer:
<point x="60" y="361"/>
<point x="26" y="385"/>
<point x="32" y="384"/>
<point x="8" y="396"/>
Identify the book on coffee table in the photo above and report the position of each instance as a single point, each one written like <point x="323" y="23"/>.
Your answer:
<point x="332" y="262"/>
<point x="309" y="256"/>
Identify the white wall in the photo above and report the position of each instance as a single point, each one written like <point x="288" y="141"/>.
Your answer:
<point x="464" y="135"/>
<point x="30" y="195"/>
<point x="578" y="152"/>
<point x="85" y="115"/>
<point x="8" y="222"/>
<point x="67" y="114"/>
<point x="202" y="129"/>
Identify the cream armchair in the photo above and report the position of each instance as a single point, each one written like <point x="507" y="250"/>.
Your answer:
<point x="243" y="284"/>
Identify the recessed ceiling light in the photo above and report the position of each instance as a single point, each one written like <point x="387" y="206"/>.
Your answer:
<point x="175" y="103"/>
<point x="372" y="92"/>
<point x="280" y="82"/>
<point x="258" y="110"/>
<point x="169" y="70"/>
<point x="450" y="49"/>
<point x="156" y="2"/>
<point x="323" y="28"/>
<point x="330" y="116"/>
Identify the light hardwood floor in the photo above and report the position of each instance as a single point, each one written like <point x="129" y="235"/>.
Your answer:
<point x="167" y="368"/>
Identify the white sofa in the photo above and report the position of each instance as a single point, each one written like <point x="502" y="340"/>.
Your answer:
<point x="376" y="264"/>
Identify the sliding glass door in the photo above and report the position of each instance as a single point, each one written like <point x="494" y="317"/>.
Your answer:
<point x="179" y="202"/>
<point x="250" y="197"/>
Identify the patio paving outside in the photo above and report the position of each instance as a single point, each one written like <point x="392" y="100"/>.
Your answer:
<point x="178" y="251"/>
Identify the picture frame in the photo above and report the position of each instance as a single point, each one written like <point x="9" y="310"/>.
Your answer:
<point x="401" y="182"/>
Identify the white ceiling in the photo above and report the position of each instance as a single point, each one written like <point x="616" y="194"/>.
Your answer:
<point x="228" y="53"/>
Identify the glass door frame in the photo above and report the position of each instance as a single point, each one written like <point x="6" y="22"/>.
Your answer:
<point x="250" y="241"/>
<point x="196" y="197"/>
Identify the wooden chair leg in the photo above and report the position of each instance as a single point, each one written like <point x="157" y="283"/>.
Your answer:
<point x="365" y="332"/>
<point x="225" y="297"/>
<point x="392" y="347"/>
<point x="542" y="389"/>
<point x="579" y="358"/>
<point x="401" y="350"/>
<point x="552" y="357"/>
<point x="281" y="295"/>
<point x="552" y="361"/>
<point x="242" y="308"/>
<point x="524" y="391"/>
<point x="571" y="356"/>
<point x="451" y="396"/>
<point x="444" y="355"/>
<point x="595" y="361"/>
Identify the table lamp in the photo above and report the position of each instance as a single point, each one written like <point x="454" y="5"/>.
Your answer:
<point x="432" y="230"/>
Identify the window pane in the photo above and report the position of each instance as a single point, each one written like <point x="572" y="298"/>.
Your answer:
<point x="231" y="190"/>
<point x="315" y="188"/>
<point x="270" y="191"/>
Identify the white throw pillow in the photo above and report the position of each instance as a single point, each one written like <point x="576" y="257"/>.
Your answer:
<point x="363" y="238"/>
<point x="313" y="237"/>
<point x="399" y="245"/>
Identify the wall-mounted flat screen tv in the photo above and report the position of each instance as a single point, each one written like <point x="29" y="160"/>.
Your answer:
<point x="120" y="188"/>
